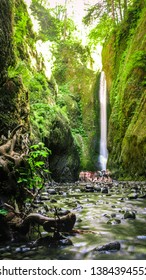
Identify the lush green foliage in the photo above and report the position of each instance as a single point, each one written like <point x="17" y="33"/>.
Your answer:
<point x="124" y="58"/>
<point x="53" y="22"/>
<point x="72" y="103"/>
<point x="34" y="174"/>
<point x="23" y="33"/>
<point x="108" y="15"/>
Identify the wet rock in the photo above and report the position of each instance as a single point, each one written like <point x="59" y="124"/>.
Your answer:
<point x="63" y="212"/>
<point x="65" y="242"/>
<point x="44" y="197"/>
<point x="114" y="221"/>
<point x="78" y="208"/>
<point x="51" y="191"/>
<point x="106" y="215"/>
<point x="132" y="196"/>
<point x="22" y="249"/>
<point x="129" y="215"/>
<point x="44" y="194"/>
<point x="35" y="206"/>
<point x="18" y="250"/>
<point x="38" y="202"/>
<point x="121" y="211"/>
<point x="46" y="208"/>
<point x="104" y="190"/>
<point x="142" y="195"/>
<point x="121" y="199"/>
<point x="97" y="188"/>
<point x="131" y="249"/>
<point x="89" y="190"/>
<point x="53" y="241"/>
<point x="141" y="237"/>
<point x="113" y="246"/>
<point x="53" y="200"/>
<point x="62" y="193"/>
<point x="79" y="220"/>
<point x="113" y="215"/>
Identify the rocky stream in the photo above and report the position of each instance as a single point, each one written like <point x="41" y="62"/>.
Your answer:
<point x="110" y="223"/>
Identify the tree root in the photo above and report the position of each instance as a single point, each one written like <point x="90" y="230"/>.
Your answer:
<point x="12" y="156"/>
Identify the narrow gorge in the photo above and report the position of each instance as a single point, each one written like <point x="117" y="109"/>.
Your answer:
<point x="72" y="129"/>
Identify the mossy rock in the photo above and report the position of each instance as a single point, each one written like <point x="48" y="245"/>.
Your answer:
<point x="126" y="84"/>
<point x="64" y="159"/>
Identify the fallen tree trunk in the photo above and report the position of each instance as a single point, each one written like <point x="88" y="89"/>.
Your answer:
<point x="60" y="224"/>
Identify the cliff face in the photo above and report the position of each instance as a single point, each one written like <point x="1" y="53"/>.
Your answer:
<point x="124" y="62"/>
<point x="13" y="97"/>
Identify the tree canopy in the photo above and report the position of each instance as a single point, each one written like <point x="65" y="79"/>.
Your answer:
<point x="107" y="14"/>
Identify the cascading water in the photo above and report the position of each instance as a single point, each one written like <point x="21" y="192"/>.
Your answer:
<point x="103" y="122"/>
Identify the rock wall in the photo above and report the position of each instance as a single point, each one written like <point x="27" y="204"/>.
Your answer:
<point x="13" y="96"/>
<point x="124" y="62"/>
<point x="64" y="160"/>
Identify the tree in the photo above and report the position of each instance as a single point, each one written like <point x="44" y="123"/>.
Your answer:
<point x="107" y="14"/>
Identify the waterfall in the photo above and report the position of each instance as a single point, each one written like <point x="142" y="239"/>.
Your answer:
<point x="103" y="123"/>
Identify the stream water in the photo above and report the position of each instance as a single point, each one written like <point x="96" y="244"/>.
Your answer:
<point x="101" y="216"/>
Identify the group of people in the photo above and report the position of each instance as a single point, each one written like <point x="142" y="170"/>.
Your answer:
<point x="97" y="176"/>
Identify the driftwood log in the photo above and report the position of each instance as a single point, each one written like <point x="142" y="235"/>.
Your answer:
<point x="59" y="224"/>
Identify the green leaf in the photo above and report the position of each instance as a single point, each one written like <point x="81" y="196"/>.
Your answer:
<point x="39" y="163"/>
<point x="3" y="212"/>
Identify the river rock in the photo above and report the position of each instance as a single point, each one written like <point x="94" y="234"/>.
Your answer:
<point x="53" y="200"/>
<point x="65" y="242"/>
<point x="43" y="197"/>
<point x="113" y="215"/>
<point x="104" y="190"/>
<point x="63" y="212"/>
<point x="129" y="215"/>
<point x="44" y="194"/>
<point x="51" y="191"/>
<point x="97" y="188"/>
<point x="113" y="246"/>
<point x="46" y="208"/>
<point x="142" y="195"/>
<point x="89" y="188"/>
<point x="114" y="221"/>
<point x="132" y="196"/>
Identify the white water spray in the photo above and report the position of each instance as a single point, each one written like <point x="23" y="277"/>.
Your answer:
<point x="103" y="122"/>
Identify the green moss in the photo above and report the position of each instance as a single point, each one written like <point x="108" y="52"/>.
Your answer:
<point x="6" y="31"/>
<point x="126" y="84"/>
